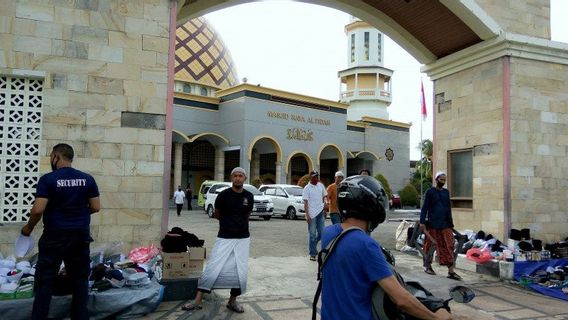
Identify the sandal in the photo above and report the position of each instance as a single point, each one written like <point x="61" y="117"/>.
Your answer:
<point x="429" y="270"/>
<point x="191" y="306"/>
<point x="453" y="275"/>
<point x="236" y="307"/>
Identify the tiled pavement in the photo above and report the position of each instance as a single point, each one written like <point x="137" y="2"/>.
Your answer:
<point x="495" y="300"/>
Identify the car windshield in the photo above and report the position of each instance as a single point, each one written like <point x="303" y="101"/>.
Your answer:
<point x="253" y="190"/>
<point x="294" y="191"/>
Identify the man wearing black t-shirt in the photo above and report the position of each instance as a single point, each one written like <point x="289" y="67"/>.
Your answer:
<point x="65" y="198"/>
<point x="228" y="264"/>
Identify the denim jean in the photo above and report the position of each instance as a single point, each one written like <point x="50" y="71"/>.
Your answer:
<point x="73" y="249"/>
<point x="315" y="230"/>
<point x="335" y="218"/>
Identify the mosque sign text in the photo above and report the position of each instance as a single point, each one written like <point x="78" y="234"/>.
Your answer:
<point x="298" y="118"/>
<point x="300" y="134"/>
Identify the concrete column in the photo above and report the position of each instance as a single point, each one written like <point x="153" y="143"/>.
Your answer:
<point x="278" y="172"/>
<point x="178" y="157"/>
<point x="255" y="165"/>
<point x="219" y="164"/>
<point x="244" y="163"/>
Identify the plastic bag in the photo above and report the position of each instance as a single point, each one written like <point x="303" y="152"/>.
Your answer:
<point x="401" y="233"/>
<point x="143" y="254"/>
<point x="478" y="255"/>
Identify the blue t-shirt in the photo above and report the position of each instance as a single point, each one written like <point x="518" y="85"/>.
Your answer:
<point x="350" y="274"/>
<point x="68" y="192"/>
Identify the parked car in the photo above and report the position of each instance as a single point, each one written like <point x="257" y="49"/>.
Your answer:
<point x="263" y="206"/>
<point x="203" y="190"/>
<point x="287" y="199"/>
<point x="211" y="195"/>
<point x="395" y="201"/>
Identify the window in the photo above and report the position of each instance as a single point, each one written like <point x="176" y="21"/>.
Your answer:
<point x="203" y="91"/>
<point x="460" y="178"/>
<point x="367" y="46"/>
<point x="353" y="47"/>
<point x="21" y="105"/>
<point x="268" y="191"/>
<point x="379" y="54"/>
<point x="280" y="193"/>
<point x="186" y="88"/>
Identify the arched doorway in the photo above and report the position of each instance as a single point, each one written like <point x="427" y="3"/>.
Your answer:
<point x="361" y="160"/>
<point x="330" y="159"/>
<point x="199" y="157"/>
<point x="297" y="165"/>
<point x="265" y="156"/>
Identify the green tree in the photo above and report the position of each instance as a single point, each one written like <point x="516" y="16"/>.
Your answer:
<point x="422" y="177"/>
<point x="409" y="196"/>
<point x="385" y="183"/>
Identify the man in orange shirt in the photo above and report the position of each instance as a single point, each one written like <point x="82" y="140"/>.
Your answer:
<point x="332" y="198"/>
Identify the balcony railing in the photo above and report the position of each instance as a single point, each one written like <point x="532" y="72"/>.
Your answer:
<point x="366" y="94"/>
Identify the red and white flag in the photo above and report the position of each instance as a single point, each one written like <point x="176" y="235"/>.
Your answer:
<point x="423" y="101"/>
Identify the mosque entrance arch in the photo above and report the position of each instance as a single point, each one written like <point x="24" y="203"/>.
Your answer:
<point x="460" y="24"/>
<point x="330" y="160"/>
<point x="199" y="157"/>
<point x="297" y="165"/>
<point x="265" y="156"/>
<point x="359" y="160"/>
<point x="474" y="51"/>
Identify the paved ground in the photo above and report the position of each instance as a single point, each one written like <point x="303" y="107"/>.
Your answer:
<point x="282" y="279"/>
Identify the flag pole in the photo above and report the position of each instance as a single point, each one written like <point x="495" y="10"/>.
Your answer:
<point x="421" y="146"/>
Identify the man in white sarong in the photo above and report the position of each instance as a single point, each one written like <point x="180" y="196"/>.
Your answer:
<point x="228" y="264"/>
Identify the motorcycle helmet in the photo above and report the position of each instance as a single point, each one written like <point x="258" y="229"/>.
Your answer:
<point x="364" y="198"/>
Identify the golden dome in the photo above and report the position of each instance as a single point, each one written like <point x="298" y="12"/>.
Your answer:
<point x="201" y="56"/>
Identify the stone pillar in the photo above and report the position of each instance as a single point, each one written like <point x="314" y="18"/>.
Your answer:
<point x="255" y="165"/>
<point x="219" y="164"/>
<point x="278" y="172"/>
<point x="178" y="158"/>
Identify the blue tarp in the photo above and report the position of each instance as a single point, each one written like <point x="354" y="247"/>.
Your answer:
<point x="529" y="268"/>
<point x="123" y="303"/>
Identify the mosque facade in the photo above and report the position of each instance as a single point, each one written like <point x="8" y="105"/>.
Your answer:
<point x="280" y="136"/>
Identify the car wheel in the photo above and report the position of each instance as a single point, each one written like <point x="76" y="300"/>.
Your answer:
<point x="210" y="211"/>
<point x="266" y="218"/>
<point x="291" y="213"/>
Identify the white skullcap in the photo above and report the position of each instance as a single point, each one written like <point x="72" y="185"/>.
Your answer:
<point x="339" y="174"/>
<point x="239" y="169"/>
<point x="439" y="173"/>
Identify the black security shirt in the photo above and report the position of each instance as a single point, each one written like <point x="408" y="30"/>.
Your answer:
<point x="68" y="191"/>
<point x="234" y="209"/>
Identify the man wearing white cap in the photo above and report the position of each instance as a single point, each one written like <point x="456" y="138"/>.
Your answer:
<point x="227" y="267"/>
<point x="332" y="198"/>
<point x="437" y="223"/>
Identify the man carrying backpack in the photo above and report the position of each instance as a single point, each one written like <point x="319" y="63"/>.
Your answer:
<point x="357" y="263"/>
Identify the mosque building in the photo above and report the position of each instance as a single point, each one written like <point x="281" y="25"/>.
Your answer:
<point x="279" y="136"/>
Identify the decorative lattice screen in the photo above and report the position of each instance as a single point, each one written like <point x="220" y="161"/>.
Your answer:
<point x="20" y="137"/>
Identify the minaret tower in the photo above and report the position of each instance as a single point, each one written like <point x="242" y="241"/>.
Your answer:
<point x="365" y="84"/>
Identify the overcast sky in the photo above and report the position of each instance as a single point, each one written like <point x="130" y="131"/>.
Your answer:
<point x="300" y="48"/>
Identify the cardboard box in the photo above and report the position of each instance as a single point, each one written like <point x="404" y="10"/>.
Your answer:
<point x="197" y="253"/>
<point x="175" y="265"/>
<point x="195" y="266"/>
<point x="197" y="259"/>
<point x="181" y="265"/>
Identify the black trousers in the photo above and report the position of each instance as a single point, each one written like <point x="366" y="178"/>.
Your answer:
<point x="179" y="206"/>
<point x="73" y="249"/>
